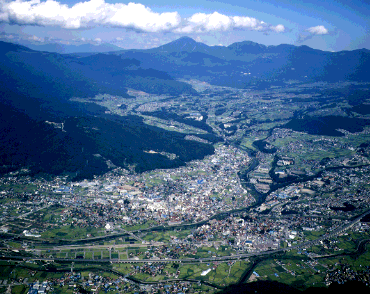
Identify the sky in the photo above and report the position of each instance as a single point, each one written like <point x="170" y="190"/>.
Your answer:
<point x="326" y="25"/>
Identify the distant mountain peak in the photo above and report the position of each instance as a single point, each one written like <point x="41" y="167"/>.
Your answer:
<point x="183" y="41"/>
<point x="248" y="47"/>
<point x="186" y="38"/>
<point x="183" y="44"/>
<point x="247" y="43"/>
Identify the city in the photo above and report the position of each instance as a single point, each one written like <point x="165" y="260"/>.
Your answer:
<point x="271" y="203"/>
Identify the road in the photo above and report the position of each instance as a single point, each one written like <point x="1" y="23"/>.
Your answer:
<point x="196" y="260"/>
<point x="146" y="244"/>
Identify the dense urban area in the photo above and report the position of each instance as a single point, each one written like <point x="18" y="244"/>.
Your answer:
<point x="284" y="197"/>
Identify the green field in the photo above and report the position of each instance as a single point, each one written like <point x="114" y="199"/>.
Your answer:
<point x="71" y="232"/>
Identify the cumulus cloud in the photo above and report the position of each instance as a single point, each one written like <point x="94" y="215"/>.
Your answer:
<point x="202" y="22"/>
<point x="311" y="32"/>
<point x="279" y="28"/>
<point x="209" y="22"/>
<point x="318" y="30"/>
<point x="87" y="14"/>
<point x="133" y="16"/>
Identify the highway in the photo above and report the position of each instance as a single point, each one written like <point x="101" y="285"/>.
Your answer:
<point x="307" y="244"/>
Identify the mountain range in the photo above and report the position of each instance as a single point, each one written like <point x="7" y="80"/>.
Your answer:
<point x="36" y="87"/>
<point x="35" y="91"/>
<point x="246" y="64"/>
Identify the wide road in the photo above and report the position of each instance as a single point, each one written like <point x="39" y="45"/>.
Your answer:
<point x="308" y="244"/>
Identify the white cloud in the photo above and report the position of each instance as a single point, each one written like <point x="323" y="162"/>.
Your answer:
<point x="249" y="23"/>
<point x="318" y="30"/>
<point x="133" y="16"/>
<point x="279" y="28"/>
<point x="312" y="32"/>
<point x="87" y="14"/>
<point x="209" y="22"/>
<point x="201" y="22"/>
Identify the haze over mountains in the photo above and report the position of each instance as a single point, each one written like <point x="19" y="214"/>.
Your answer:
<point x="36" y="86"/>
<point x="70" y="48"/>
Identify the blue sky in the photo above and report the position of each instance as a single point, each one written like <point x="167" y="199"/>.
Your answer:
<point x="326" y="25"/>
